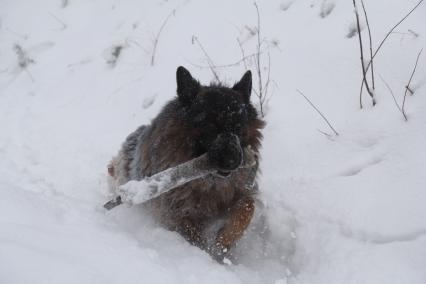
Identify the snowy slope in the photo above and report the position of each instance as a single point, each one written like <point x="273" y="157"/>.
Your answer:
<point x="346" y="209"/>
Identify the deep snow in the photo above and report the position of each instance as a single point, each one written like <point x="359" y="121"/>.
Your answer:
<point x="346" y="209"/>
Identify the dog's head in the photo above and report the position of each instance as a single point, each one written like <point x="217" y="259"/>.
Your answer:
<point x="220" y="117"/>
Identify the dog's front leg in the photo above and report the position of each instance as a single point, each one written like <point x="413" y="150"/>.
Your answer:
<point x="238" y="220"/>
<point x="191" y="230"/>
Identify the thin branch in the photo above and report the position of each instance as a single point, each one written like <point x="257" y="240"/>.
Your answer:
<point x="158" y="36"/>
<point x="209" y="60"/>
<point x="242" y="53"/>
<point x="22" y="36"/>
<point x="329" y="136"/>
<point x="364" y="70"/>
<point x="319" y="112"/>
<point x="413" y="33"/>
<point x="409" y="82"/>
<point x="267" y="78"/>
<point x="29" y="74"/>
<point x="371" y="44"/>
<point x="244" y="59"/>
<point x="259" y="73"/>
<point x="64" y="26"/>
<point x="407" y="88"/>
<point x="236" y="63"/>
<point x="393" y="96"/>
<point x="391" y="30"/>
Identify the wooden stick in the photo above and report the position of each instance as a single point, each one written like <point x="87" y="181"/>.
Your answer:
<point x="136" y="192"/>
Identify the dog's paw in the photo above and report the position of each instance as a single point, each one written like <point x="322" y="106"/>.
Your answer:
<point x="219" y="253"/>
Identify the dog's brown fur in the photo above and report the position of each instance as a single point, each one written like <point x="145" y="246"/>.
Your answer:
<point x="193" y="208"/>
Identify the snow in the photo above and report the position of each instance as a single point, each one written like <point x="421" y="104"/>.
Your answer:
<point x="345" y="209"/>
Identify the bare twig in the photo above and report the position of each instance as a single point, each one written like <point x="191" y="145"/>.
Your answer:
<point x="391" y="31"/>
<point x="371" y="45"/>
<point x="267" y="78"/>
<point x="236" y="63"/>
<point x="329" y="136"/>
<point x="407" y="88"/>
<point x="64" y="26"/>
<point x="158" y="36"/>
<point x="259" y="72"/>
<point x="413" y="33"/>
<point x="244" y="59"/>
<point x="393" y="96"/>
<point x="209" y="60"/>
<point x="319" y="112"/>
<point x="364" y="70"/>
<point x="242" y="54"/>
<point x="22" y="36"/>
<point x="409" y="82"/>
<point x="29" y="74"/>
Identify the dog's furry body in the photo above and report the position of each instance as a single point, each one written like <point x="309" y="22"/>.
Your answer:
<point x="182" y="131"/>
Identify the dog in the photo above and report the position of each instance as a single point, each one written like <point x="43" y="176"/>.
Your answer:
<point x="213" y="212"/>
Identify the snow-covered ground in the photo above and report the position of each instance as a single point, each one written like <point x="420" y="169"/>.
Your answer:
<point x="345" y="209"/>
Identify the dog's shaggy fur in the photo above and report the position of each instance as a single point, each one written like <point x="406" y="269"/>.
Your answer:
<point x="216" y="120"/>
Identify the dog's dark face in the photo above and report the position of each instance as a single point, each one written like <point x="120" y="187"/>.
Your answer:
<point x="220" y="117"/>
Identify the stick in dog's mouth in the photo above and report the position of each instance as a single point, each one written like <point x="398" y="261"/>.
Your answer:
<point x="136" y="192"/>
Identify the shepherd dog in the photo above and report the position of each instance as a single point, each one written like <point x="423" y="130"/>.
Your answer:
<point x="213" y="212"/>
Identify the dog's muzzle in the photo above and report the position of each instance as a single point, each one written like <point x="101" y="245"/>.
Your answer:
<point x="225" y="153"/>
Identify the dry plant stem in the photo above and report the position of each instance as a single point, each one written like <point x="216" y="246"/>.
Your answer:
<point x="391" y="31"/>
<point x="393" y="96"/>
<point x="244" y="59"/>
<point x="64" y="26"/>
<point x="242" y="53"/>
<point x="236" y="63"/>
<point x="319" y="112"/>
<point x="409" y="90"/>
<point x="364" y="71"/>
<point x="325" y="134"/>
<point x="259" y="73"/>
<point x="158" y="36"/>
<point x="209" y="60"/>
<point x="413" y="33"/>
<point x="371" y="45"/>
<point x="409" y="82"/>
<point x="29" y="74"/>
<point x="267" y="79"/>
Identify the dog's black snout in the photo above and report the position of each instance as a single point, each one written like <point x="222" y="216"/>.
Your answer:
<point x="225" y="153"/>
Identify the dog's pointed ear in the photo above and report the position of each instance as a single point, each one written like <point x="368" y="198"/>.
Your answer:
<point x="244" y="86"/>
<point x="187" y="87"/>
